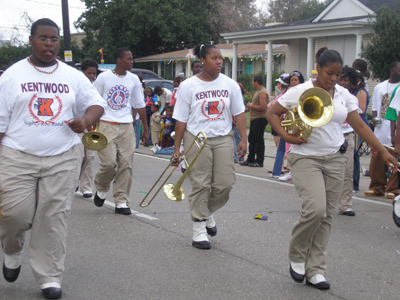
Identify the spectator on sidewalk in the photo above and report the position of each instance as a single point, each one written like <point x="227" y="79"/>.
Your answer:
<point x="258" y="121"/>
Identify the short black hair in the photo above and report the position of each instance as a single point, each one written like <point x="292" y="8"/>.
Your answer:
<point x="169" y="107"/>
<point x="393" y="65"/>
<point x="43" y="22"/>
<point x="195" y="62"/>
<point x="178" y="79"/>
<point x="157" y="89"/>
<point x="298" y="74"/>
<point x="352" y="74"/>
<point x="156" y="106"/>
<point x="119" y="53"/>
<point x="259" y="79"/>
<point x="89" y="63"/>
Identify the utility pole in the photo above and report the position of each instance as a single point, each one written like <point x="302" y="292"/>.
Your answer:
<point x="67" y="35"/>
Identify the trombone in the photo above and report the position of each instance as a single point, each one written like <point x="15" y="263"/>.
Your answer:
<point x="94" y="140"/>
<point x="314" y="109"/>
<point x="173" y="191"/>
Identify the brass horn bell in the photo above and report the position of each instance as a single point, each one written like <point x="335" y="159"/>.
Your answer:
<point x="94" y="140"/>
<point x="314" y="109"/>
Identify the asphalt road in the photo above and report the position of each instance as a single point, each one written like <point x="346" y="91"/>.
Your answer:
<point x="148" y="255"/>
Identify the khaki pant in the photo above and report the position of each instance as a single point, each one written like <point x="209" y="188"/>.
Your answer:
<point x="86" y="175"/>
<point x="318" y="181"/>
<point x="116" y="161"/>
<point x="377" y="173"/>
<point x="345" y="201"/>
<point x="36" y="193"/>
<point x="212" y="175"/>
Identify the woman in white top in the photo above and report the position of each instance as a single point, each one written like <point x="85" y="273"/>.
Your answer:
<point x="206" y="104"/>
<point x="317" y="166"/>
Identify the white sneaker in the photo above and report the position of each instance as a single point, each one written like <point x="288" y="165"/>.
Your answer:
<point x="273" y="176"/>
<point x="158" y="147"/>
<point x="317" y="278"/>
<point x="211" y="226"/>
<point x="122" y="205"/>
<point x="299" y="268"/>
<point x="50" y="285"/>
<point x="286" y="177"/>
<point x="154" y="150"/>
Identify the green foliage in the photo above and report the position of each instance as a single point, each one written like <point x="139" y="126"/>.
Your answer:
<point x="294" y="10"/>
<point x="11" y="54"/>
<point x="385" y="42"/>
<point x="77" y="54"/>
<point x="145" y="27"/>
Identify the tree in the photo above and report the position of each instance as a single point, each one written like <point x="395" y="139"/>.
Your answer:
<point x="149" y="27"/>
<point x="293" y="10"/>
<point x="385" y="42"/>
<point x="10" y="54"/>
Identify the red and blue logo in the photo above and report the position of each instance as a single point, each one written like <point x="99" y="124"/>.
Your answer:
<point x="117" y="97"/>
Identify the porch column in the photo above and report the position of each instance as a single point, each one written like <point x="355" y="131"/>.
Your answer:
<point x="159" y="68"/>
<point x="269" y="67"/>
<point x="310" y="55"/>
<point x="358" y="45"/>
<point x="234" y="62"/>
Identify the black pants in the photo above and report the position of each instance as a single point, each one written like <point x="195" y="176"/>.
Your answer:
<point x="256" y="141"/>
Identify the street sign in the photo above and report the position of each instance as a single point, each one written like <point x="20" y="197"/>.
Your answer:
<point x="68" y="55"/>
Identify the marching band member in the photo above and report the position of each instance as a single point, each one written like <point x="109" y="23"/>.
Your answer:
<point x="43" y="104"/>
<point x="317" y="166"/>
<point x="206" y="103"/>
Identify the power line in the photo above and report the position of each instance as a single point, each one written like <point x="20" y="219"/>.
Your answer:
<point x="54" y="4"/>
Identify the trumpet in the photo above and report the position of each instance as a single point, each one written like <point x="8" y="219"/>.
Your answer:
<point x="173" y="191"/>
<point x="314" y="109"/>
<point x="94" y="140"/>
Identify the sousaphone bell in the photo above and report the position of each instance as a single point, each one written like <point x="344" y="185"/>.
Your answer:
<point x="314" y="109"/>
<point x="94" y="140"/>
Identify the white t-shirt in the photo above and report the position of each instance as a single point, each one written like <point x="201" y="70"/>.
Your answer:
<point x="208" y="106"/>
<point x="121" y="95"/>
<point x="34" y="106"/>
<point x="327" y="139"/>
<point x="165" y="98"/>
<point x="382" y="131"/>
<point x="395" y="104"/>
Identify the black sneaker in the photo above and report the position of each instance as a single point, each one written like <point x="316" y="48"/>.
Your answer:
<point x="10" y="275"/>
<point x="52" y="293"/>
<point x="98" y="201"/>
<point x="256" y="165"/>
<point x="123" y="210"/>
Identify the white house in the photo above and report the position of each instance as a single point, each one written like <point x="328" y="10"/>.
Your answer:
<point x="344" y="25"/>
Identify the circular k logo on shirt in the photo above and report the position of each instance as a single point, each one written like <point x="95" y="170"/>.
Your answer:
<point x="45" y="110"/>
<point x="117" y="97"/>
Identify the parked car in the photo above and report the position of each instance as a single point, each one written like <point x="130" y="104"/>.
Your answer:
<point x="164" y="83"/>
<point x="147" y="74"/>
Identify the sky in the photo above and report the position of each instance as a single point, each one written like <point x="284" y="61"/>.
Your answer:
<point x="11" y="15"/>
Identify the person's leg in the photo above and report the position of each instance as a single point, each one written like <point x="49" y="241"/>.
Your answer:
<point x="223" y="172"/>
<point x="86" y="176"/>
<point x="377" y="173"/>
<point x="236" y="141"/>
<point x="259" y="140"/>
<point x="18" y="186"/>
<point x="356" y="171"/>
<point x="108" y="158"/>
<point x="165" y="151"/>
<point x="251" y="140"/>
<point x="333" y="178"/>
<point x="137" y="132"/>
<point x="393" y="184"/>
<point x="55" y="192"/>
<point x="125" y="152"/>
<point x="280" y="153"/>
<point x="308" y="179"/>
<point x="200" y="177"/>
<point x="345" y="201"/>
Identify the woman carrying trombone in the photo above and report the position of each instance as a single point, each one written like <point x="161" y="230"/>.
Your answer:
<point x="317" y="166"/>
<point x="206" y="103"/>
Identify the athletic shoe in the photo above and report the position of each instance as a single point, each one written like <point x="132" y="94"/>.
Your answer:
<point x="286" y="177"/>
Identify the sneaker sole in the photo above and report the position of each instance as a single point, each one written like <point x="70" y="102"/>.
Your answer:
<point x="201" y="245"/>
<point x="212" y="231"/>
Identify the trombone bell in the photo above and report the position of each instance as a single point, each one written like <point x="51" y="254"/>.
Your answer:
<point x="94" y="140"/>
<point x="171" y="195"/>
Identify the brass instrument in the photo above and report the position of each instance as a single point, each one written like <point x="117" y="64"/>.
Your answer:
<point x="398" y="158"/>
<point x="314" y="109"/>
<point x="94" y="140"/>
<point x="174" y="192"/>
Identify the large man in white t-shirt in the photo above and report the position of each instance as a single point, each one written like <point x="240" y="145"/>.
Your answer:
<point x="377" y="168"/>
<point x="123" y="93"/>
<point x="43" y="104"/>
